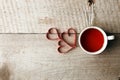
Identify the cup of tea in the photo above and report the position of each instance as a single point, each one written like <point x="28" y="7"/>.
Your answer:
<point x="93" y="40"/>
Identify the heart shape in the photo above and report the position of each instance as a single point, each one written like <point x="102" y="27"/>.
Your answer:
<point x="70" y="37"/>
<point x="53" y="34"/>
<point x="63" y="47"/>
<point x="67" y="40"/>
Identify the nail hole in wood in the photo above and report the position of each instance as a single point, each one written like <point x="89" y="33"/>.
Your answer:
<point x="90" y="2"/>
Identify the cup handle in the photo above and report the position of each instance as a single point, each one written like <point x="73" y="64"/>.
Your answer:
<point x="111" y="37"/>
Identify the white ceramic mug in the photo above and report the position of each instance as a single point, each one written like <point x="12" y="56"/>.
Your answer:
<point x="105" y="38"/>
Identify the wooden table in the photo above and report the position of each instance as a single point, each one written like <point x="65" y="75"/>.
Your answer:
<point x="26" y="54"/>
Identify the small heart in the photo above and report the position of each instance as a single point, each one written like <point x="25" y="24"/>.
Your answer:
<point x="70" y="37"/>
<point x="53" y="34"/>
<point x="64" y="47"/>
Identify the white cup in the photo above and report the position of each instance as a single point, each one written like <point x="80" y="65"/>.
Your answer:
<point x="104" y="45"/>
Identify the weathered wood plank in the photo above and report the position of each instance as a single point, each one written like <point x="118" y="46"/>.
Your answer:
<point x="33" y="57"/>
<point x="37" y="16"/>
<point x="107" y="15"/>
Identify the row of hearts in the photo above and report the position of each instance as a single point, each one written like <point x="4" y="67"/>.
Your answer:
<point x="64" y="45"/>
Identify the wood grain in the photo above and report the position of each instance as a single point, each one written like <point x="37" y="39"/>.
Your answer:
<point x="107" y="15"/>
<point x="33" y="57"/>
<point x="37" y="16"/>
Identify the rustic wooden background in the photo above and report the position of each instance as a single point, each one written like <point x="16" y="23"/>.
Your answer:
<point x="26" y="54"/>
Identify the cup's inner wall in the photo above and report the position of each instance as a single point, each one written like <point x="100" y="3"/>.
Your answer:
<point x="92" y="40"/>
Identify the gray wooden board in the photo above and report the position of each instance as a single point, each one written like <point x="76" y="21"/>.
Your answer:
<point x="37" y="16"/>
<point x="33" y="57"/>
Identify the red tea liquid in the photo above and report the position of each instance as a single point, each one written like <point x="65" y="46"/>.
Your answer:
<point x="92" y="40"/>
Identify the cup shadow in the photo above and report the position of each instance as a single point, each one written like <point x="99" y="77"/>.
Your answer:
<point x="113" y="45"/>
<point x="115" y="42"/>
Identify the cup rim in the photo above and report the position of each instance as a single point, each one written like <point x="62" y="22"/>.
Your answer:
<point x="104" y="44"/>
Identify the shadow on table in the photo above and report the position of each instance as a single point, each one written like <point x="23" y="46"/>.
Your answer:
<point x="114" y="43"/>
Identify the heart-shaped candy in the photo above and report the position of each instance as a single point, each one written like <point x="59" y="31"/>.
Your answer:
<point x="63" y="47"/>
<point x="53" y="34"/>
<point x="70" y="37"/>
